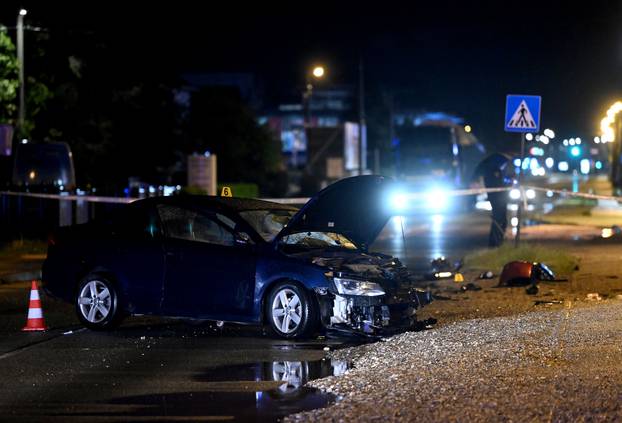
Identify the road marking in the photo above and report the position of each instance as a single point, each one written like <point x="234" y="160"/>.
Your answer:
<point x="40" y="341"/>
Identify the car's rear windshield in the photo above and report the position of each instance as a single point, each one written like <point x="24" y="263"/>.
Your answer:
<point x="267" y="223"/>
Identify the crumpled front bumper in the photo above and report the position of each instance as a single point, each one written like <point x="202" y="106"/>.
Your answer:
<point x="380" y="315"/>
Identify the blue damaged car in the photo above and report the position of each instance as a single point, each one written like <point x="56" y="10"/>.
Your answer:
<point x="240" y="260"/>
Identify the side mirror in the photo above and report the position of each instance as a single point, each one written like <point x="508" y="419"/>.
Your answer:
<point x="242" y="238"/>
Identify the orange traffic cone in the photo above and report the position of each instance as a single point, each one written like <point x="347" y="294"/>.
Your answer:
<point x="35" y="313"/>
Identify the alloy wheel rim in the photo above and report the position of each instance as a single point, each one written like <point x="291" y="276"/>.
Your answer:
<point x="95" y="301"/>
<point x="286" y="310"/>
<point x="289" y="372"/>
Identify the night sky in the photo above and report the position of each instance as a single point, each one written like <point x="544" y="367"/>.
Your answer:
<point x="459" y="57"/>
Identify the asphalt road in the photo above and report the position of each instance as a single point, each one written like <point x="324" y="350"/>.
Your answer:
<point x="162" y="370"/>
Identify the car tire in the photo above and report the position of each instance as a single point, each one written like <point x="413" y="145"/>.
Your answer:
<point x="291" y="311"/>
<point x="98" y="303"/>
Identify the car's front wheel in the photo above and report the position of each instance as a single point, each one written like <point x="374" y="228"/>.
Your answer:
<point x="290" y="311"/>
<point x="97" y="303"/>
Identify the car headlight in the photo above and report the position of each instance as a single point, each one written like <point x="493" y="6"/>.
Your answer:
<point x="356" y="287"/>
<point x="437" y="199"/>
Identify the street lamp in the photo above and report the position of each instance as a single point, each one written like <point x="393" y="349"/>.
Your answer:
<point x="20" y="58"/>
<point x="318" y="73"/>
<point x="362" y="132"/>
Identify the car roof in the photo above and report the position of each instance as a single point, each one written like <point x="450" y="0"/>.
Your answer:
<point x="234" y="204"/>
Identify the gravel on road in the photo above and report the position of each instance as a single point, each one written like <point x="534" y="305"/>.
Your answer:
<point x="546" y="365"/>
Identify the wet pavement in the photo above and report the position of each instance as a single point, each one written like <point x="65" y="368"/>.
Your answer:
<point x="164" y="372"/>
<point x="152" y="369"/>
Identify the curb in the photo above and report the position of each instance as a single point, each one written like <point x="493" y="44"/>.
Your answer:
<point x="23" y="276"/>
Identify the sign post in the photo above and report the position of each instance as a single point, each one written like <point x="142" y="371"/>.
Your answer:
<point x="522" y="114"/>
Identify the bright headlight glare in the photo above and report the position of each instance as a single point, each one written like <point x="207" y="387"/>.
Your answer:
<point x="356" y="287"/>
<point x="399" y="201"/>
<point x="437" y="199"/>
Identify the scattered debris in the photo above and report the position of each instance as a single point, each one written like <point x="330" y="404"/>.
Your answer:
<point x="522" y="273"/>
<point x="425" y="324"/>
<point x="470" y="287"/>
<point x="532" y="290"/>
<point x="594" y="296"/>
<point x="442" y="298"/>
<point x="441" y="268"/>
<point x="547" y="302"/>
<point x="486" y="275"/>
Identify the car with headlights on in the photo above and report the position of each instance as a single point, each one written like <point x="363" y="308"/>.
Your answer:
<point x="240" y="260"/>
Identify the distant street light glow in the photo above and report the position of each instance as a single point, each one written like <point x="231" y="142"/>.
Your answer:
<point x="606" y="124"/>
<point x="549" y="162"/>
<point x="549" y="133"/>
<point x="23" y="12"/>
<point x="585" y="166"/>
<point x="467" y="128"/>
<point x="529" y="136"/>
<point x="318" y="71"/>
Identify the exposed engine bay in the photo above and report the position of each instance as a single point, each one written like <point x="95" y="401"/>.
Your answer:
<point x="377" y="295"/>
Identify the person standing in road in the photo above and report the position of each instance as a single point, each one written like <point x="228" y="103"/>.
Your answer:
<point x="494" y="171"/>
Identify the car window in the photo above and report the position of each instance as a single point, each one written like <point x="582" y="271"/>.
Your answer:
<point x="226" y="221"/>
<point x="133" y="222"/>
<point x="182" y="223"/>
<point x="267" y="223"/>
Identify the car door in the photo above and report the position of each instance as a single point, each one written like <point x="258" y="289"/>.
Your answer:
<point x="208" y="275"/>
<point x="139" y="261"/>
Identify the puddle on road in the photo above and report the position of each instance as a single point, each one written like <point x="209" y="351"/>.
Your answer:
<point x="264" y="391"/>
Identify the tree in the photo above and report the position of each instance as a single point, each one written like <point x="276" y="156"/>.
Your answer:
<point x="219" y="122"/>
<point x="36" y="95"/>
<point x="9" y="82"/>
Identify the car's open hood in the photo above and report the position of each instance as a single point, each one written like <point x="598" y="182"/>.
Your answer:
<point x="357" y="207"/>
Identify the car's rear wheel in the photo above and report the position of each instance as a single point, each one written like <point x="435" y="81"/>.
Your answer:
<point x="290" y="311"/>
<point x="97" y="303"/>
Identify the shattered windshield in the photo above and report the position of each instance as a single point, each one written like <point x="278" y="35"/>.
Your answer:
<point x="319" y="240"/>
<point x="267" y="223"/>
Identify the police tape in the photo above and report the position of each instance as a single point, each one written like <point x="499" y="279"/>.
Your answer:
<point x="302" y="200"/>
<point x="63" y="197"/>
<point x="295" y="200"/>
<point x="566" y="193"/>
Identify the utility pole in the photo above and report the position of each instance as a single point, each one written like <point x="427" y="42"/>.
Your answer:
<point x="20" y="58"/>
<point x="361" y="114"/>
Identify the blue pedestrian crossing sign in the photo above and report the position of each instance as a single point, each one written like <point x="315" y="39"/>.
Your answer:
<point x="522" y="113"/>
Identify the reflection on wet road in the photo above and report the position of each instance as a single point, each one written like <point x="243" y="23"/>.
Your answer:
<point x="262" y="391"/>
<point x="417" y="239"/>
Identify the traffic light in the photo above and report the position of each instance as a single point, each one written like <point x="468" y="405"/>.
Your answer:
<point x="575" y="151"/>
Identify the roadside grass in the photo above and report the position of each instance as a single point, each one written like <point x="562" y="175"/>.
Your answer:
<point x="25" y="246"/>
<point x="579" y="215"/>
<point x="494" y="259"/>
